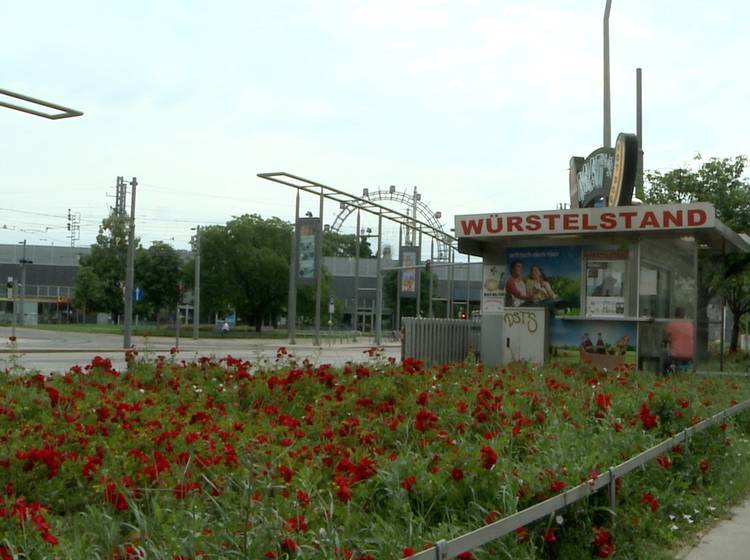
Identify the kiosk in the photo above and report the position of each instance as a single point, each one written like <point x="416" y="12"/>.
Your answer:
<point x="607" y="285"/>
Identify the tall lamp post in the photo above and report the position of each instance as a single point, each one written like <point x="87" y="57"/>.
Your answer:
<point x="197" y="283"/>
<point x="61" y="112"/>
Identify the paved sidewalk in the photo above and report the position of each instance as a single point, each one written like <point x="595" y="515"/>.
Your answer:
<point x="729" y="540"/>
<point x="48" y="351"/>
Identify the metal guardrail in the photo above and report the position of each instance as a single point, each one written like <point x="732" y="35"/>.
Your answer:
<point x="440" y="340"/>
<point x="444" y="550"/>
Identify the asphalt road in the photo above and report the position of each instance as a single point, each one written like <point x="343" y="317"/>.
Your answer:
<point x="51" y="351"/>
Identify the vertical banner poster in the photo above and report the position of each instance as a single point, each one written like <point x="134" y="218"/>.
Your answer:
<point x="307" y="237"/>
<point x="493" y="288"/>
<point x="409" y="260"/>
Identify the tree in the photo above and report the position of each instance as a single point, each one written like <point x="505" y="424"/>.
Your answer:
<point x="718" y="181"/>
<point x="158" y="273"/>
<point x="88" y="291"/>
<point x="106" y="262"/>
<point x="344" y="245"/>
<point x="246" y="266"/>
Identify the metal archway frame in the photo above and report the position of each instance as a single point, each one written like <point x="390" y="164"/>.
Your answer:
<point x="65" y="112"/>
<point x="409" y="200"/>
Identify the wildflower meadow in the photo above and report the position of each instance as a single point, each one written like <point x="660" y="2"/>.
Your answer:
<point x="221" y="458"/>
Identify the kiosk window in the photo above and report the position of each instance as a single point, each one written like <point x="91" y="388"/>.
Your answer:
<point x="605" y="287"/>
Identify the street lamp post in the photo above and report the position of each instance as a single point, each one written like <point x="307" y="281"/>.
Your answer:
<point x="197" y="284"/>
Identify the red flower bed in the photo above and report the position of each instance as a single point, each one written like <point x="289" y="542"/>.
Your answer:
<point x="285" y="460"/>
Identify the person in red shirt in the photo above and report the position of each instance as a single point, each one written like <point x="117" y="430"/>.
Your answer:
<point x="679" y="336"/>
<point x="515" y="288"/>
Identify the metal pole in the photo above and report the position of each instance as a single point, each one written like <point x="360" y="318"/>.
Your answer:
<point x="429" y="275"/>
<point x="639" y="131"/>
<point x="14" y="295"/>
<point x="22" y="289"/>
<point x="419" y="276"/>
<point x="291" y="315"/>
<point x="397" y="322"/>
<point x="177" y="325"/>
<point x="319" y="270"/>
<point x="355" y="311"/>
<point x="379" y="288"/>
<point x="129" y="272"/>
<point x="468" y="286"/>
<point x="607" y="109"/>
<point x="449" y="302"/>
<point x="723" y="331"/>
<point x="197" y="286"/>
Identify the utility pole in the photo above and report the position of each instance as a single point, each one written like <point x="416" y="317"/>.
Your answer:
<point x="121" y="193"/>
<point x="379" y="285"/>
<point x="129" y="272"/>
<point x="607" y="108"/>
<point x="291" y="316"/>
<point x="74" y="227"/>
<point x="197" y="284"/>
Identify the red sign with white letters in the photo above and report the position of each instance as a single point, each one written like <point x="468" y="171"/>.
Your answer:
<point x="665" y="217"/>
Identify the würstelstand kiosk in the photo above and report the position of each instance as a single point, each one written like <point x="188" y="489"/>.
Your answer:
<point x="612" y="284"/>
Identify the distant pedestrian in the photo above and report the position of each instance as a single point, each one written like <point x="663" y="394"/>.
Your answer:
<point x="224" y="328"/>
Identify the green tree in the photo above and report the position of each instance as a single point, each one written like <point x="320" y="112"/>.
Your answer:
<point x="158" y="271"/>
<point x="107" y="262"/>
<point x="89" y="290"/>
<point x="245" y="265"/>
<point x="720" y="182"/>
<point x="344" y="245"/>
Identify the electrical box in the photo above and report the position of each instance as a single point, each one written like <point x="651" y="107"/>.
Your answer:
<point x="525" y="334"/>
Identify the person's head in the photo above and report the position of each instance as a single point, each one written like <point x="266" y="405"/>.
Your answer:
<point x="536" y="273"/>
<point x="516" y="268"/>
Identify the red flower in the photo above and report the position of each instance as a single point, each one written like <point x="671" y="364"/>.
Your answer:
<point x="422" y="398"/>
<point x="489" y="457"/>
<point x="522" y="535"/>
<point x="407" y="551"/>
<point x="664" y="462"/>
<point x="704" y="465"/>
<point x="648" y="419"/>
<point x="408" y="482"/>
<point x="288" y="545"/>
<point x="457" y="474"/>
<point x="296" y="523"/>
<point x="604" y="547"/>
<point x="549" y="535"/>
<point x="303" y="498"/>
<point x="603" y="401"/>
<point x="649" y="500"/>
<point x="114" y="497"/>
<point x="557" y="485"/>
<point x="466" y="556"/>
<point x="12" y="338"/>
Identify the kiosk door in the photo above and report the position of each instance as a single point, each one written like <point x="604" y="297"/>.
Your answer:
<point x="526" y="334"/>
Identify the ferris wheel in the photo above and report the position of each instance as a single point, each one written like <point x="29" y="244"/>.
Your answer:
<point x="415" y="208"/>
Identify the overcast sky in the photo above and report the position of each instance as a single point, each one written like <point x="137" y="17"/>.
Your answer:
<point x="480" y="104"/>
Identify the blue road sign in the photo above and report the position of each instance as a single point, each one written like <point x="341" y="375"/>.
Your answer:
<point x="137" y="294"/>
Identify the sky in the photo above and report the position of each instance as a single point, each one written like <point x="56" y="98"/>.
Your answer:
<point x="479" y="104"/>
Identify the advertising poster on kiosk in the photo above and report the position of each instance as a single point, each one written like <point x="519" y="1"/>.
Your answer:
<point x="578" y="284"/>
<point x="493" y="288"/>
<point x="544" y="277"/>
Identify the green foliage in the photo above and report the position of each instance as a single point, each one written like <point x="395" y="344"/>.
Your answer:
<point x="344" y="245"/>
<point x="720" y="182"/>
<point x="158" y="271"/>
<point x="568" y="290"/>
<point x="245" y="266"/>
<point x="101" y="278"/>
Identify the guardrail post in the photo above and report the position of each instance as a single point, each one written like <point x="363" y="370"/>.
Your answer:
<point x="440" y="552"/>
<point x="612" y="490"/>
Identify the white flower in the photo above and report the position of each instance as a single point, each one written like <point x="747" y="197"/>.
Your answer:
<point x="559" y="519"/>
<point x="671" y="517"/>
<point x="674" y="527"/>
